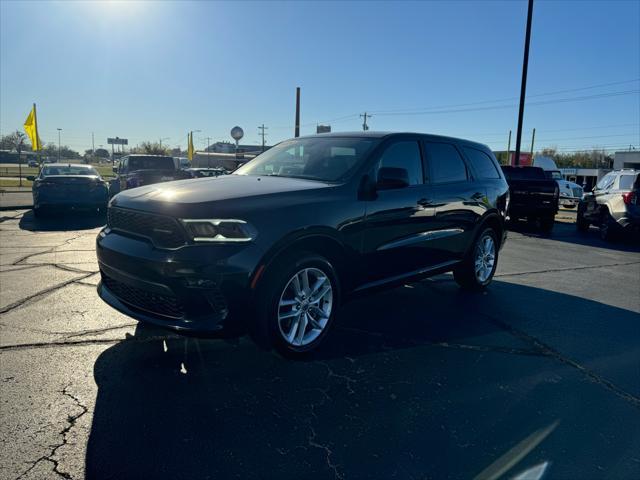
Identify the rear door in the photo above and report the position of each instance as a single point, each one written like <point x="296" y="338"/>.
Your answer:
<point x="398" y="220"/>
<point x="457" y="198"/>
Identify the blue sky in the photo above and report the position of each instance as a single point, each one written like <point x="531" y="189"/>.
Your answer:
<point x="153" y="70"/>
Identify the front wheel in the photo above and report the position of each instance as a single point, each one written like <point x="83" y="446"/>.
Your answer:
<point x="297" y="304"/>
<point x="546" y="223"/>
<point x="582" y="224"/>
<point x="477" y="270"/>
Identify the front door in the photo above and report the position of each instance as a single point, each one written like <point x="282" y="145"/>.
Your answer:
<point x="399" y="220"/>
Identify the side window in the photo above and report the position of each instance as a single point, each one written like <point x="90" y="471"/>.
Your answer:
<point x="482" y="163"/>
<point x="626" y="182"/>
<point x="125" y="164"/>
<point x="404" y="155"/>
<point x="606" y="181"/>
<point x="445" y="163"/>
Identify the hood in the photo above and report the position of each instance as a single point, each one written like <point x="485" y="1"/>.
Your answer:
<point x="562" y="183"/>
<point x="171" y="196"/>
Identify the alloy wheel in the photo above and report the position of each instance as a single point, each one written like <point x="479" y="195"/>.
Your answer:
<point x="485" y="258"/>
<point x="305" y="307"/>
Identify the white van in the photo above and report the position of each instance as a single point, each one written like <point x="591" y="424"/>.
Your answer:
<point x="570" y="193"/>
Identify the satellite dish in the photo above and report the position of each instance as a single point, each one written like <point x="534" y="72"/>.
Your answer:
<point x="237" y="133"/>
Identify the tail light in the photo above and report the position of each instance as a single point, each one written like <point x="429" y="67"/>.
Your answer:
<point x="629" y="198"/>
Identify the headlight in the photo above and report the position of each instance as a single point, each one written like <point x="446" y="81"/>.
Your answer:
<point x="219" y="230"/>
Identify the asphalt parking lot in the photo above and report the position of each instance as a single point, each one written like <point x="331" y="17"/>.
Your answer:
<point x="424" y="381"/>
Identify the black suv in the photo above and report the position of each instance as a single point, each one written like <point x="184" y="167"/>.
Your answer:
<point x="137" y="170"/>
<point x="286" y="238"/>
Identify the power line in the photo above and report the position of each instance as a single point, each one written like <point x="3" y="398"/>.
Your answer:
<point x="483" y="102"/>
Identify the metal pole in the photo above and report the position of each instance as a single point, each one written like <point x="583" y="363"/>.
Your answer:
<point x="508" y="149"/>
<point x="297" y="129"/>
<point x="20" y="164"/>
<point x="533" y="139"/>
<point x="93" y="148"/>
<point x="523" y="86"/>
<point x="59" y="130"/>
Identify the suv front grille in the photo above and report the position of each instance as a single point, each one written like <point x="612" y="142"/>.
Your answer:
<point x="166" y="305"/>
<point x="164" y="232"/>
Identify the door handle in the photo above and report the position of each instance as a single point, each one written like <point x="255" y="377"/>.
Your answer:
<point x="425" y="202"/>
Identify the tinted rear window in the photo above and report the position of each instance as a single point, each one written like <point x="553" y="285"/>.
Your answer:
<point x="151" y="163"/>
<point x="68" y="170"/>
<point x="482" y="163"/>
<point x="523" y="173"/>
<point x="445" y="163"/>
<point x="626" y="182"/>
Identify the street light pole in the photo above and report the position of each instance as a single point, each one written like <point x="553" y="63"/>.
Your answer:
<point x="523" y="86"/>
<point x="59" y="130"/>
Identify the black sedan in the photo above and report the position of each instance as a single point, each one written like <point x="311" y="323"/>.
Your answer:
<point x="70" y="186"/>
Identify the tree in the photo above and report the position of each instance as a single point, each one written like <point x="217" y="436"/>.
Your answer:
<point x="151" y="148"/>
<point x="13" y="140"/>
<point x="102" y="153"/>
<point x="51" y="150"/>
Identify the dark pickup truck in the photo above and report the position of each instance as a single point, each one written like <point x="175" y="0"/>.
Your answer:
<point x="532" y="195"/>
<point x="137" y="170"/>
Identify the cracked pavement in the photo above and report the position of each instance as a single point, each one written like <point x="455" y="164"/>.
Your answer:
<point x="423" y="381"/>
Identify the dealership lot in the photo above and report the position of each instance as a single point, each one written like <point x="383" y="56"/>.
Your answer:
<point x="423" y="381"/>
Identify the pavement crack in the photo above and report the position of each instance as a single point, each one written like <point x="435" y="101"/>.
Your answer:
<point x="549" y="351"/>
<point x="566" y="269"/>
<point x="71" y="422"/>
<point x="329" y="453"/>
<point x="80" y="343"/>
<point x="100" y="330"/>
<point x="42" y="293"/>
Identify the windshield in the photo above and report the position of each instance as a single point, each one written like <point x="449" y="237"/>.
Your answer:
<point x="327" y="159"/>
<point x="68" y="170"/>
<point x="151" y="163"/>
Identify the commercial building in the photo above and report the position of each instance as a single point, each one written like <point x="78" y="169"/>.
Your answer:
<point x="627" y="159"/>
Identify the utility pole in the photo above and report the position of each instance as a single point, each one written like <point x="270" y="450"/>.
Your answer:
<point x="59" y="130"/>
<point x="523" y="86"/>
<point x="533" y="139"/>
<point x="365" y="127"/>
<point x="93" y="148"/>
<point x="508" y="149"/>
<point x="206" y="149"/>
<point x="297" y="128"/>
<point x="262" y="128"/>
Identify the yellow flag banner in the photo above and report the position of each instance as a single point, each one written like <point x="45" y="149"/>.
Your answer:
<point x="31" y="129"/>
<point x="190" y="147"/>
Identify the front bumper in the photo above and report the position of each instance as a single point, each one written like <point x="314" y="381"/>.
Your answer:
<point x="197" y="288"/>
<point x="568" y="201"/>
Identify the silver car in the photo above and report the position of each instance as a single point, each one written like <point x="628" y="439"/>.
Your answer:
<point x="613" y="205"/>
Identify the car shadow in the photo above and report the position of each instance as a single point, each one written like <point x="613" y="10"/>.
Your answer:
<point x="567" y="232"/>
<point x="413" y="382"/>
<point x="62" y="221"/>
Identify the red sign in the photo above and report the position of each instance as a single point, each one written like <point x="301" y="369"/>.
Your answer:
<point x="526" y="159"/>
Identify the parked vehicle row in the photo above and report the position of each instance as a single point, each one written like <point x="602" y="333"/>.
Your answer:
<point x="281" y="242"/>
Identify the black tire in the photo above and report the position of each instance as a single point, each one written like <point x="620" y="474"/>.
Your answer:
<point x="582" y="224"/>
<point x="546" y="223"/>
<point x="265" y="326"/>
<point x="608" y="227"/>
<point x="465" y="273"/>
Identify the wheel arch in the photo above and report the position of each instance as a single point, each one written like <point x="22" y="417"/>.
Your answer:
<point x="321" y="240"/>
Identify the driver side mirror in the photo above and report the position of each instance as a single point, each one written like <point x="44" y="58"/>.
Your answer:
<point x="31" y="178"/>
<point x="115" y="169"/>
<point x="391" y="178"/>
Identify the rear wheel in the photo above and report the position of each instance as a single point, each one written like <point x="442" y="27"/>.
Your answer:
<point x="608" y="227"/>
<point x="477" y="270"/>
<point x="296" y="304"/>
